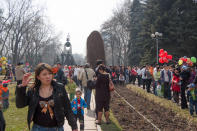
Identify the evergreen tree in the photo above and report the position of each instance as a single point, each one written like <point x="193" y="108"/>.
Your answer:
<point x="136" y="16"/>
<point x="182" y="28"/>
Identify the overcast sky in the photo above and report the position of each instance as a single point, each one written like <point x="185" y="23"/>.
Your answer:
<point x="79" y="18"/>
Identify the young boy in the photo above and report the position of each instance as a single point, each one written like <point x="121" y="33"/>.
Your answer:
<point x="71" y="87"/>
<point x="159" y="93"/>
<point x="78" y="105"/>
<point x="192" y="94"/>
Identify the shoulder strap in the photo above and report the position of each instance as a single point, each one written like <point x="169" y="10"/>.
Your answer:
<point x="86" y="74"/>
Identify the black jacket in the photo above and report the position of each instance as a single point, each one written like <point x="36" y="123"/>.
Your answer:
<point x="62" y="106"/>
<point x="60" y="77"/>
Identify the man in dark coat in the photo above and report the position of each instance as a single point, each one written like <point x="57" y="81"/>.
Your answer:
<point x="60" y="77"/>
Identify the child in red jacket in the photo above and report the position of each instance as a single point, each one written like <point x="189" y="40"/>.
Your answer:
<point x="176" y="85"/>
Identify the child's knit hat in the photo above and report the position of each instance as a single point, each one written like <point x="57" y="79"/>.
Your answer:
<point x="78" y="90"/>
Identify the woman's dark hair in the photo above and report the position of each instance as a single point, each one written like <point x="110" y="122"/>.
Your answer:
<point x="101" y="67"/>
<point x="98" y="62"/>
<point x="39" y="68"/>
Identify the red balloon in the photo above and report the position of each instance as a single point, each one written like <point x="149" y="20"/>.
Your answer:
<point x="161" y="55"/>
<point x="165" y="53"/>
<point x="165" y="59"/>
<point x="161" y="60"/>
<point x="182" y="58"/>
<point x="169" y="57"/>
<point x="185" y="59"/>
<point x="161" y="50"/>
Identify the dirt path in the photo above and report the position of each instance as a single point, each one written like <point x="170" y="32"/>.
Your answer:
<point x="130" y="120"/>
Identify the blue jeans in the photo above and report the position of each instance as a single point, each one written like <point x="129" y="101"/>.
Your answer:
<point x="155" y="87"/>
<point x="87" y="96"/>
<point x="41" y="128"/>
<point x="191" y="107"/>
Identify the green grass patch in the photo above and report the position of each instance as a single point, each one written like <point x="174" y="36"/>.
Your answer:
<point x="16" y="119"/>
<point x="114" y="126"/>
<point x="164" y="103"/>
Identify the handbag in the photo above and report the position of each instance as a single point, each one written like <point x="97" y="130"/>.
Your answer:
<point x="111" y="85"/>
<point x="90" y="83"/>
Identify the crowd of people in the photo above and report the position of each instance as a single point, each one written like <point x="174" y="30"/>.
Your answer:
<point x="172" y="82"/>
<point x="48" y="100"/>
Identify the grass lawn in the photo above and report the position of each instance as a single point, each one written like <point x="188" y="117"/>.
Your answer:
<point x="114" y="126"/>
<point x="16" y="119"/>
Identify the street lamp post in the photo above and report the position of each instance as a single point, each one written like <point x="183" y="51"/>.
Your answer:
<point x="156" y="36"/>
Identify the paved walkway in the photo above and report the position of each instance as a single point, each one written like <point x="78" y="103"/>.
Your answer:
<point x="89" y="119"/>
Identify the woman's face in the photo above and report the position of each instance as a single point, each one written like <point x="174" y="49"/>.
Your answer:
<point x="45" y="77"/>
<point x="101" y="71"/>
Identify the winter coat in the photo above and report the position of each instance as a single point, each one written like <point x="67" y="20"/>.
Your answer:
<point x="83" y="78"/>
<point x="74" y="104"/>
<point x="192" y="95"/>
<point x="71" y="87"/>
<point x="60" y="77"/>
<point x="175" y="83"/>
<point x="163" y="77"/>
<point x="157" y="75"/>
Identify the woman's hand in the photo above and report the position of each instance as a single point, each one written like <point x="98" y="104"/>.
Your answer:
<point x="26" y="79"/>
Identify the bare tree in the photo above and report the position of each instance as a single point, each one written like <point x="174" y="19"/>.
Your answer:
<point x="116" y="36"/>
<point x="24" y="32"/>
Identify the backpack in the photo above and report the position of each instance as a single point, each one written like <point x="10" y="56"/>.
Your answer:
<point x="90" y="84"/>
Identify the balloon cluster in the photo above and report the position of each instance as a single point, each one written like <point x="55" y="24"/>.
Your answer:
<point x="164" y="57"/>
<point x="3" y="64"/>
<point x="187" y="61"/>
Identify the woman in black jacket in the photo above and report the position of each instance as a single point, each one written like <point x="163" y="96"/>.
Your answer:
<point x="47" y="101"/>
<point x="102" y="94"/>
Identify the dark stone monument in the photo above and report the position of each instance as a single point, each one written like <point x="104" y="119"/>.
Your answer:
<point x="66" y="56"/>
<point x="95" y="48"/>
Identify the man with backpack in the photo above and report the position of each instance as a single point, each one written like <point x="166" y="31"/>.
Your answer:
<point x="86" y="78"/>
